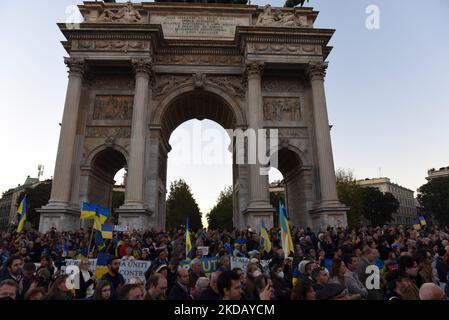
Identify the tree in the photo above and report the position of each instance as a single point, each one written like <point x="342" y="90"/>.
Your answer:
<point x="180" y="205"/>
<point x="378" y="208"/>
<point x="221" y="214"/>
<point x="275" y="198"/>
<point x="350" y="193"/>
<point x="118" y="199"/>
<point x="37" y="197"/>
<point x="434" y="198"/>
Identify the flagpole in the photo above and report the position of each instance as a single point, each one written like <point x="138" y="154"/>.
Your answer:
<point x="90" y="241"/>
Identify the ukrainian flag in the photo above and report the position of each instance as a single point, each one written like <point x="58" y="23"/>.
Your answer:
<point x="22" y="212"/>
<point x="265" y="238"/>
<point x="422" y="220"/>
<point x="417" y="225"/>
<point x="286" y="236"/>
<point x="88" y="211"/>
<point x="102" y="214"/>
<point x="188" y="240"/>
<point x="106" y="231"/>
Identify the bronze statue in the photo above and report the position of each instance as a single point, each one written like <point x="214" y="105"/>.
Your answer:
<point x="294" y="3"/>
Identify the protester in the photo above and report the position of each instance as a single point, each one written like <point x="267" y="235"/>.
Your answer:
<point x="430" y="291"/>
<point x="8" y="289"/>
<point x="156" y="287"/>
<point x="59" y="290"/>
<point x="13" y="270"/>
<point x="86" y="281"/>
<point x="131" y="292"/>
<point x="211" y="292"/>
<point x="113" y="276"/>
<point x="303" y="291"/>
<point x="195" y="271"/>
<point x="103" y="291"/>
<point x="371" y="259"/>
<point x="228" y="285"/>
<point x="181" y="289"/>
<point x="35" y="294"/>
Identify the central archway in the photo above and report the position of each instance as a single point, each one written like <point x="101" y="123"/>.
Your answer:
<point x="189" y="103"/>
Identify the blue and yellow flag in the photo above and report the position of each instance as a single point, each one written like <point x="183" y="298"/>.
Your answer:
<point x="99" y="241"/>
<point x="417" y="225"/>
<point x="88" y="211"/>
<point x="286" y="236"/>
<point x="22" y="212"/>
<point x="423" y="221"/>
<point x="102" y="214"/>
<point x="265" y="238"/>
<point x="188" y="240"/>
<point x="106" y="231"/>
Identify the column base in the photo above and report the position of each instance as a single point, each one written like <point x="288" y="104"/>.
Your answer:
<point x="253" y="217"/>
<point x="135" y="217"/>
<point x="328" y="214"/>
<point x="63" y="218"/>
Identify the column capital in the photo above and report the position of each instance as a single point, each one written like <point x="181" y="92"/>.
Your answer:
<point x="143" y="67"/>
<point x="76" y="66"/>
<point x="253" y="69"/>
<point x="317" y="70"/>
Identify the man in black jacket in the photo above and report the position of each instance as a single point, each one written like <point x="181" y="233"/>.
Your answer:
<point x="181" y="289"/>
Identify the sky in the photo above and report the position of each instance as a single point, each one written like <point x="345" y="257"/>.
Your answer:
<point x="387" y="93"/>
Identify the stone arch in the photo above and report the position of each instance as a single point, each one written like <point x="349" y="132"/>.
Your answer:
<point x="103" y="163"/>
<point x="98" y="149"/>
<point x="296" y="168"/>
<point x="161" y="108"/>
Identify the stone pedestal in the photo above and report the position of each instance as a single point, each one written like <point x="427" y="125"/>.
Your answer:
<point x="135" y="218"/>
<point x="55" y="217"/>
<point x="253" y="217"/>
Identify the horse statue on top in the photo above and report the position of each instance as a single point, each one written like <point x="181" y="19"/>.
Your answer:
<point x="294" y="3"/>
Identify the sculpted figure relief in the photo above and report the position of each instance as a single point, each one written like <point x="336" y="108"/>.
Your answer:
<point x="125" y="15"/>
<point x="276" y="18"/>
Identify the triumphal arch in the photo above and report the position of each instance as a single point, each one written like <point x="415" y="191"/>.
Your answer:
<point x="139" y="70"/>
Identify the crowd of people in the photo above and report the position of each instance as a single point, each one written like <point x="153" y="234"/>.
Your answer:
<point x="383" y="263"/>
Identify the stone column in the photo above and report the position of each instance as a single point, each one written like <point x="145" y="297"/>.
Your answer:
<point x="317" y="72"/>
<point x="259" y="200"/>
<point x="62" y="179"/>
<point x="135" y="180"/>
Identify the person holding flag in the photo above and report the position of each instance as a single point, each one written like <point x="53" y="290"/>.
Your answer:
<point x="22" y="212"/>
<point x="286" y="237"/>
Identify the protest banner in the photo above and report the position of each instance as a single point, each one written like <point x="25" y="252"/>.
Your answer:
<point x="134" y="269"/>
<point x="242" y="263"/>
<point x="204" y="250"/>
<point x="121" y="228"/>
<point x="210" y="265"/>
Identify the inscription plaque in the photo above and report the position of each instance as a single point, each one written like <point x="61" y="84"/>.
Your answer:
<point x="186" y="26"/>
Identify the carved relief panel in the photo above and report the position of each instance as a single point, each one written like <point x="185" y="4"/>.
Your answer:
<point x="113" y="107"/>
<point x="281" y="109"/>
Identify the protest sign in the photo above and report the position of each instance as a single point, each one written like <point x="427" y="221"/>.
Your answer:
<point x="121" y="228"/>
<point x="210" y="265"/>
<point x="134" y="269"/>
<point x="204" y="250"/>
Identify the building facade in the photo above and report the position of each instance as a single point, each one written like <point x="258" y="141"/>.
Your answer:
<point x="8" y="203"/>
<point x="433" y="174"/>
<point x="407" y="211"/>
